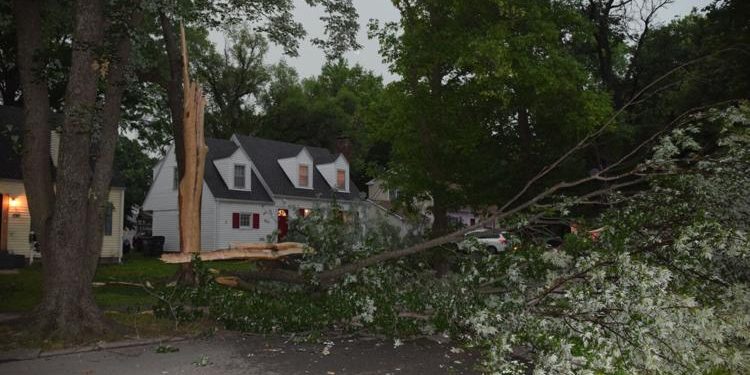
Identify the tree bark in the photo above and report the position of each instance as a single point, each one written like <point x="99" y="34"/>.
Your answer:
<point x="76" y="206"/>
<point x="68" y="309"/>
<point x="36" y="166"/>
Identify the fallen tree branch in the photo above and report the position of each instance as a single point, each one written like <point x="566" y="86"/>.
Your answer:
<point x="254" y="251"/>
<point x="234" y="282"/>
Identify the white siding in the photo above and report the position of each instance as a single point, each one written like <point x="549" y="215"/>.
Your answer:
<point x="329" y="171"/>
<point x="19" y="221"/>
<point x="166" y="223"/>
<point x="294" y="204"/>
<point x="162" y="195"/>
<point x="291" y="168"/>
<point x="226" y="234"/>
<point x="377" y="191"/>
<point x="112" y="245"/>
<point x="226" y="169"/>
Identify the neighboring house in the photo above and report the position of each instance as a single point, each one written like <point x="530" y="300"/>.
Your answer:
<point x="382" y="200"/>
<point x="15" y="222"/>
<point x="383" y="197"/>
<point x="252" y="187"/>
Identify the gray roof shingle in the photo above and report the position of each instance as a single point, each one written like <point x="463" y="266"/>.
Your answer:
<point x="220" y="149"/>
<point x="265" y="154"/>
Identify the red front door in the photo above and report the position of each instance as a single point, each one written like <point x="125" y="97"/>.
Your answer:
<point x="283" y="217"/>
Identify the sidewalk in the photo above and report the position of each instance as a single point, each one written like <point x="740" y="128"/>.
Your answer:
<point x="233" y="353"/>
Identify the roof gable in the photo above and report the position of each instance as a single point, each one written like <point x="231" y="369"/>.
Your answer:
<point x="222" y="149"/>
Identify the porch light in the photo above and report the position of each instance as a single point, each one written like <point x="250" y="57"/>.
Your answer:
<point x="13" y="202"/>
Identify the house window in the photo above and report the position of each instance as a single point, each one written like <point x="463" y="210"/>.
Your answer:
<point x="108" y="220"/>
<point x="239" y="176"/>
<point x="175" y="178"/>
<point x="245" y="220"/>
<point x="304" y="176"/>
<point x="341" y="179"/>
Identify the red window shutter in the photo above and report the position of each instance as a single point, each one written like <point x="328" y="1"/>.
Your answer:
<point x="256" y="221"/>
<point x="301" y="212"/>
<point x="235" y="220"/>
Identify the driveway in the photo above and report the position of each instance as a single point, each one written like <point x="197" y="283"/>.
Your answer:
<point x="233" y="353"/>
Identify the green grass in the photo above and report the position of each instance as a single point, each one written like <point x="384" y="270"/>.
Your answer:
<point x="22" y="291"/>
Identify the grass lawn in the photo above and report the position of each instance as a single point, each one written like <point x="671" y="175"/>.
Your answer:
<point x="128" y="306"/>
<point x="21" y="292"/>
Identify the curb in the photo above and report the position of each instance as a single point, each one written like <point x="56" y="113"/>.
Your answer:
<point x="30" y="354"/>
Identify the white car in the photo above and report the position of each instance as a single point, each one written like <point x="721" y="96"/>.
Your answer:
<point x="493" y="240"/>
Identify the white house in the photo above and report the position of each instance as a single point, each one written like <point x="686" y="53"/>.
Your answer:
<point x="252" y="187"/>
<point x="15" y="221"/>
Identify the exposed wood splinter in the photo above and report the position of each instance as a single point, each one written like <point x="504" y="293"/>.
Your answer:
<point x="252" y="251"/>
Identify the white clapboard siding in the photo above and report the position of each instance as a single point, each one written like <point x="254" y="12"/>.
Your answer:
<point x="329" y="172"/>
<point x="112" y="244"/>
<point x="19" y="221"/>
<point x="226" y="234"/>
<point x="166" y="223"/>
<point x="162" y="195"/>
<point x="290" y="166"/>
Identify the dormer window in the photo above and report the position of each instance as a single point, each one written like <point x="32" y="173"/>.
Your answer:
<point x="341" y="179"/>
<point x="304" y="176"/>
<point x="239" y="176"/>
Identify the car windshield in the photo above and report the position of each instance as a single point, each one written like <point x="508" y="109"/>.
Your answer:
<point x="484" y="233"/>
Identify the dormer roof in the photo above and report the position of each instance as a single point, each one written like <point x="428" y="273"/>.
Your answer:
<point x="221" y="149"/>
<point x="265" y="154"/>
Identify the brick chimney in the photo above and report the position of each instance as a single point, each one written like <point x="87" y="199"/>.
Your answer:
<point x="344" y="146"/>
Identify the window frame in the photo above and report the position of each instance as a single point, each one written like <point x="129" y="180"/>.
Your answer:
<point x="307" y="183"/>
<point x="341" y="186"/>
<point x="108" y="219"/>
<point x="244" y="176"/>
<point x="249" y="216"/>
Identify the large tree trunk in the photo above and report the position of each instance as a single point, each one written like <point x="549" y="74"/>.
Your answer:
<point x="68" y="309"/>
<point x="36" y="166"/>
<point x="71" y="251"/>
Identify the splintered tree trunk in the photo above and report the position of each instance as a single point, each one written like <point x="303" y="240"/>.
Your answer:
<point x="191" y="182"/>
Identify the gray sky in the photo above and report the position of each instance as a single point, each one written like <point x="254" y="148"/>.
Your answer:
<point x="310" y="58"/>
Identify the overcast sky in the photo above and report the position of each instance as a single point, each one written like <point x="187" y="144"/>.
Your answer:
<point x="311" y="58"/>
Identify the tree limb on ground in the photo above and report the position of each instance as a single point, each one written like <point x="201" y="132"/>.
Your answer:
<point x="254" y="251"/>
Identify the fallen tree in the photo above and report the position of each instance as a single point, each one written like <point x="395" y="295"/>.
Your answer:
<point x="623" y="173"/>
<point x="249" y="251"/>
<point x="664" y="288"/>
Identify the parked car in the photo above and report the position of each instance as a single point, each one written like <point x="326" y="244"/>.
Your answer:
<point x="495" y="241"/>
